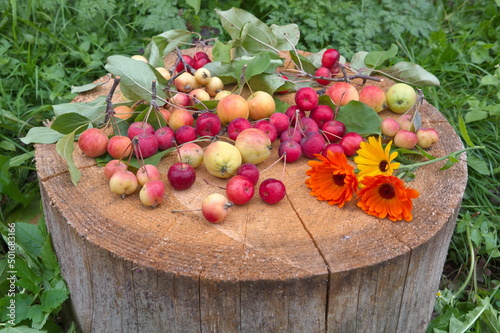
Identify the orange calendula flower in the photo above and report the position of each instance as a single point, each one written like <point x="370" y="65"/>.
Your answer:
<point x="373" y="159"/>
<point x="332" y="179"/>
<point x="386" y="196"/>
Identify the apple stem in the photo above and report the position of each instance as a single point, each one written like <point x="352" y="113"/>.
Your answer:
<point x="187" y="67"/>
<point x="214" y="185"/>
<point x="185" y="210"/>
<point x="269" y="167"/>
<point x="110" y="112"/>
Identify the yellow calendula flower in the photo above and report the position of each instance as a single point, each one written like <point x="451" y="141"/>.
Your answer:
<point x="372" y="159"/>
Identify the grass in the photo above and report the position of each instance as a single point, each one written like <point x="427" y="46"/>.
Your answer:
<point x="45" y="49"/>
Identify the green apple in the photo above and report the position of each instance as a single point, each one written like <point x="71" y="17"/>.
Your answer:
<point x="222" y="159"/>
<point x="400" y="97"/>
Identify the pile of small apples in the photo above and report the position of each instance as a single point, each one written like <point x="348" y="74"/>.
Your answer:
<point x="199" y="137"/>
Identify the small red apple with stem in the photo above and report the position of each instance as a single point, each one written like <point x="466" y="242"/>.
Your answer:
<point x="250" y="171"/>
<point x="239" y="190"/>
<point x="306" y="98"/>
<point x="152" y="193"/>
<point x="272" y="191"/>
<point x="123" y="183"/>
<point x="119" y="146"/>
<point x="146" y="173"/>
<point x="215" y="207"/>
<point x="113" y="166"/>
<point x="93" y="142"/>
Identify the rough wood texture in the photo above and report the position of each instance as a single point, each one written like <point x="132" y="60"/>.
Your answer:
<point x="298" y="266"/>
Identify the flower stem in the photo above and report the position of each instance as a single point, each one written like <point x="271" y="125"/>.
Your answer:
<point x="419" y="164"/>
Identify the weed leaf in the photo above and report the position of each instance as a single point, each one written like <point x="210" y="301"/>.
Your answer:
<point x="30" y="237"/>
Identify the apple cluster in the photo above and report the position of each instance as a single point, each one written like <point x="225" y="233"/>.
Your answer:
<point x="405" y="131"/>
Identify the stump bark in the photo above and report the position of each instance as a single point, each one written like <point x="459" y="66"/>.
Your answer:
<point x="297" y="266"/>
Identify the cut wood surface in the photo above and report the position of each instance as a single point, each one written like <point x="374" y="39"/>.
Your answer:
<point x="298" y="266"/>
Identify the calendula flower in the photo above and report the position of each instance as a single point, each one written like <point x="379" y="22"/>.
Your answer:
<point x="373" y="159"/>
<point x="386" y="196"/>
<point x="332" y="179"/>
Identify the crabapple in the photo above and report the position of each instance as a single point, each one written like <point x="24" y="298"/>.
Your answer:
<point x="323" y="72"/>
<point x="123" y="112"/>
<point x="215" y="207"/>
<point x="197" y="96"/>
<point x="405" y="139"/>
<point x="254" y="145"/>
<point x="119" y="146"/>
<point x="291" y="134"/>
<point x="208" y="124"/>
<point x="166" y="138"/>
<point x="239" y="190"/>
<point x="321" y="114"/>
<point x="185" y="82"/>
<point x="202" y="76"/>
<point x="231" y="107"/>
<point x="123" y="182"/>
<point x="93" y="142"/>
<point x="293" y="112"/>
<point x="374" y="97"/>
<point x="330" y="57"/>
<point x="152" y="193"/>
<point x="306" y="98"/>
<point x="427" y="137"/>
<point x="268" y="128"/>
<point x="139" y="127"/>
<point x="280" y="121"/>
<point x="342" y="93"/>
<point x="260" y="105"/>
<point x="291" y="149"/>
<point x="333" y="147"/>
<point x="190" y="153"/>
<point x="250" y="171"/>
<point x="113" y="166"/>
<point x="389" y="127"/>
<point x="272" y="191"/>
<point x="214" y="85"/>
<point x="180" y="117"/>
<point x="181" y="176"/>
<point x="351" y="142"/>
<point x="236" y="126"/>
<point x="333" y="130"/>
<point x="312" y="144"/>
<point x="145" y="145"/>
<point x="147" y="173"/>
<point x="185" y="134"/>
<point x="187" y="59"/>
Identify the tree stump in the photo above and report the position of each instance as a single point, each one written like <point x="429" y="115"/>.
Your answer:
<point x="298" y="266"/>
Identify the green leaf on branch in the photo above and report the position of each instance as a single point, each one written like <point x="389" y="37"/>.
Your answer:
<point x="86" y="87"/>
<point x="163" y="44"/>
<point x="375" y="58"/>
<point x="70" y="122"/>
<point x="136" y="77"/>
<point x="257" y="37"/>
<point x="65" y="147"/>
<point x="266" y="82"/>
<point x="360" y="118"/>
<point x="410" y="73"/>
<point x="304" y="63"/>
<point x="253" y="65"/>
<point x="222" y="52"/>
<point x="287" y="36"/>
<point x="41" y="135"/>
<point x="94" y="110"/>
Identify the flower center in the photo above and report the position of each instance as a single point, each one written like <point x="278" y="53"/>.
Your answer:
<point x="386" y="191"/>
<point x="339" y="179"/>
<point x="383" y="166"/>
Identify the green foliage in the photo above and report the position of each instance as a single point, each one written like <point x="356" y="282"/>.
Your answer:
<point x="30" y="279"/>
